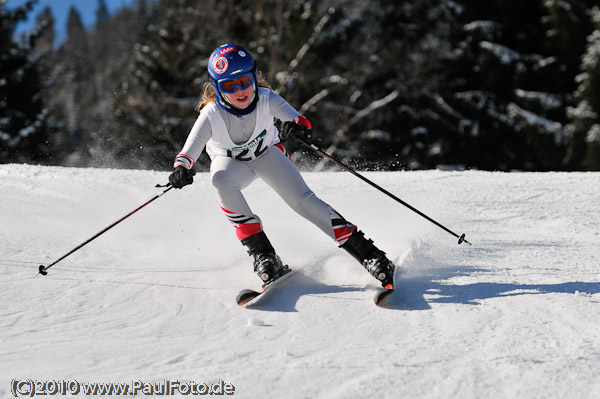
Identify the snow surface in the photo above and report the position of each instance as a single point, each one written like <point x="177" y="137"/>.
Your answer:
<point x="514" y="316"/>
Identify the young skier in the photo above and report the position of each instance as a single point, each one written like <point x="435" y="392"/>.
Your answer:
<point x="236" y="125"/>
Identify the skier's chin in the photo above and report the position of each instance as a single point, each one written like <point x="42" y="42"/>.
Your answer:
<point x="240" y="99"/>
<point x="242" y="104"/>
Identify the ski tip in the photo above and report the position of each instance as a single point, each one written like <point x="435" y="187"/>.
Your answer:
<point x="382" y="295"/>
<point x="246" y="296"/>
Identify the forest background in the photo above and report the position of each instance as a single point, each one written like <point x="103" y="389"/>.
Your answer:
<point x="387" y="84"/>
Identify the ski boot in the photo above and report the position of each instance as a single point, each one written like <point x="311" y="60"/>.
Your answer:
<point x="372" y="258"/>
<point x="267" y="265"/>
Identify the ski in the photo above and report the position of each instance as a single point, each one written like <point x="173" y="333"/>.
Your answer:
<point x="384" y="293"/>
<point x="248" y="297"/>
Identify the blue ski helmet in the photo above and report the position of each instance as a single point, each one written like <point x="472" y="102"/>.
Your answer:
<point x="227" y="62"/>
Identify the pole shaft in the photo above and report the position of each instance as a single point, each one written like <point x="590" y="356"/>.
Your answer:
<point x="107" y="228"/>
<point x="349" y="169"/>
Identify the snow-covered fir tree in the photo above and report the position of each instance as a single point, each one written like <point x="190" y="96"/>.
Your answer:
<point x="585" y="116"/>
<point x="23" y="136"/>
<point x="387" y="84"/>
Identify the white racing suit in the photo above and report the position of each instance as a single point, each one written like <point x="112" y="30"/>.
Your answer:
<point x="244" y="148"/>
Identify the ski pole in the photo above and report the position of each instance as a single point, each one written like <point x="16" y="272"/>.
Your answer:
<point x="43" y="270"/>
<point x="461" y="238"/>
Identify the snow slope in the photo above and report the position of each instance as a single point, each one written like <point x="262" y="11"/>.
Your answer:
<point x="514" y="316"/>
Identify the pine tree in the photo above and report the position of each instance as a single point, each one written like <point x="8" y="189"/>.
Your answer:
<point x="382" y="65"/>
<point x="102" y="14"/>
<point x="154" y="107"/>
<point x="76" y="46"/>
<point x="23" y="135"/>
<point x="585" y="117"/>
<point x="86" y="70"/>
<point x="44" y="27"/>
<point x="72" y="73"/>
<point x="510" y="81"/>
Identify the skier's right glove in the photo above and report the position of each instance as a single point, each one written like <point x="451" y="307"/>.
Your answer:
<point x="181" y="177"/>
<point x="298" y="128"/>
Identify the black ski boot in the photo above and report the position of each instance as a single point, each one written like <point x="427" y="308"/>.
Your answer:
<point x="267" y="264"/>
<point x="372" y="258"/>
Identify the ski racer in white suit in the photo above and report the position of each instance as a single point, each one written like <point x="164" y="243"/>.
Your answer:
<point x="236" y="125"/>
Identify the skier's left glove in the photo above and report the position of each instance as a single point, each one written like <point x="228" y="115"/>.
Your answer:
<point x="181" y="177"/>
<point x="298" y="128"/>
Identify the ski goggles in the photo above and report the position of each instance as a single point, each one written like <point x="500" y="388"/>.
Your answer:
<point x="231" y="85"/>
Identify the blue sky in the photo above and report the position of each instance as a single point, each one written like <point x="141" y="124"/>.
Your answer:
<point x="60" y="11"/>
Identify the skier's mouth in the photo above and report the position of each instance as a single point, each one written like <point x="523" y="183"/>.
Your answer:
<point x="242" y="98"/>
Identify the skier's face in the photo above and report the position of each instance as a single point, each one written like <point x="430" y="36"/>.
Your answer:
<point x="241" y="98"/>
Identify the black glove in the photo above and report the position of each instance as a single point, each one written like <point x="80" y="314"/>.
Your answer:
<point x="181" y="177"/>
<point x="299" y="128"/>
